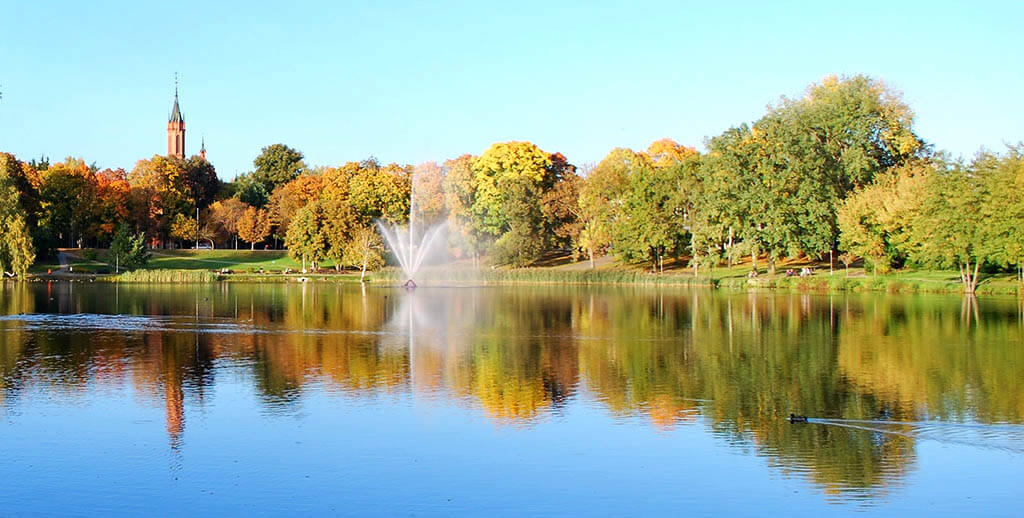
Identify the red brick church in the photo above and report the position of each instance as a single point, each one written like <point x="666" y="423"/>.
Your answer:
<point x="176" y="131"/>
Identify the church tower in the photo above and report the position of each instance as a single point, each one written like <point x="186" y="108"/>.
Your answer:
<point x="176" y="128"/>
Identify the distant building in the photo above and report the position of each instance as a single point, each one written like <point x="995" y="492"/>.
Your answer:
<point x="176" y="131"/>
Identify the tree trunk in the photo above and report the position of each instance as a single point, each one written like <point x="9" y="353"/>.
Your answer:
<point x="728" y="249"/>
<point x="661" y="263"/>
<point x="753" y="259"/>
<point x="590" y="252"/>
<point x="252" y="247"/>
<point x="771" y="264"/>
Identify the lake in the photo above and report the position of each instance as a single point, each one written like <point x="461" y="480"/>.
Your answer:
<point x="319" y="398"/>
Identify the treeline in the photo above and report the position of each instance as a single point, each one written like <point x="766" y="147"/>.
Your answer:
<point x="838" y="173"/>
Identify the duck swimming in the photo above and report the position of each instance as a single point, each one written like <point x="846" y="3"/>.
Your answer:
<point x="793" y="418"/>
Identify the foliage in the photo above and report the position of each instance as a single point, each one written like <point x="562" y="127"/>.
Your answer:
<point x="363" y="250"/>
<point x="128" y="249"/>
<point x="254" y="226"/>
<point x="251" y="191"/>
<point x="223" y="216"/>
<point x="184" y="228"/>
<point x="873" y="222"/>
<point x="276" y="164"/>
<point x="380" y="191"/>
<point x="320" y="231"/>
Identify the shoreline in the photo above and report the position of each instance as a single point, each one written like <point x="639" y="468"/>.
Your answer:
<point x="904" y="282"/>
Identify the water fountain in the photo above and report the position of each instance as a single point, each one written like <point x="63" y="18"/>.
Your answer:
<point x="417" y="243"/>
<point x="410" y="251"/>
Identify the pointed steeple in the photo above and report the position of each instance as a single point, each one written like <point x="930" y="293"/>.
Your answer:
<point x="176" y="111"/>
<point x="176" y="128"/>
<point x="202" y="148"/>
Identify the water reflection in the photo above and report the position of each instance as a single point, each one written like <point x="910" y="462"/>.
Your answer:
<point x="879" y="373"/>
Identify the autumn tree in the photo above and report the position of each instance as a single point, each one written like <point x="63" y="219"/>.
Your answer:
<point x="277" y="164"/>
<point x="289" y="198"/>
<point x="112" y="203"/>
<point x="602" y="195"/>
<point x="254" y="226"/>
<point x="873" y="221"/>
<point x="223" y="217"/>
<point x="459" y="193"/>
<point x="364" y="250"/>
<point x="562" y="216"/>
<point x="377" y="191"/>
<point x="160" y="190"/>
<point x="201" y="182"/>
<point x="184" y="228"/>
<point x="68" y="198"/>
<point x="428" y="202"/>
<point x="509" y="180"/>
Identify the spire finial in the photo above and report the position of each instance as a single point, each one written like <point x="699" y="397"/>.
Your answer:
<point x="175" y="85"/>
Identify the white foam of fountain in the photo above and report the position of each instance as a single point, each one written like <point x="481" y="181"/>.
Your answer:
<point x="410" y="253"/>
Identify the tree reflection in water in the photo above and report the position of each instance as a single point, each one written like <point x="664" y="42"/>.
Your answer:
<point x="736" y="363"/>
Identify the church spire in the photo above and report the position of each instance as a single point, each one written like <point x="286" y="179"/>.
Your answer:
<point x="176" y="127"/>
<point x="176" y="112"/>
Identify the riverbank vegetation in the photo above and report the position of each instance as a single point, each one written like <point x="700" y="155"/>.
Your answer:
<point x="837" y="175"/>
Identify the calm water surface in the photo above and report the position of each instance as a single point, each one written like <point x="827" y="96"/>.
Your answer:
<point x="263" y="399"/>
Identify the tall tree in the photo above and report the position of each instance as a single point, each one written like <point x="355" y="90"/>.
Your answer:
<point x="1003" y="211"/>
<point x="277" y="164"/>
<point x="602" y="195"/>
<point x="948" y="232"/>
<point x="459" y="193"/>
<point x="16" y="251"/>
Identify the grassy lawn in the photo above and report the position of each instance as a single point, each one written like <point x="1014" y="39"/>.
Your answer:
<point x="235" y="260"/>
<point x="240" y="261"/>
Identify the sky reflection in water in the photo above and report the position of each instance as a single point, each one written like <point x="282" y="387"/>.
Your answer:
<point x="265" y="398"/>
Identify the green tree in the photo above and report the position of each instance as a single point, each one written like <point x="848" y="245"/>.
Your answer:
<point x="201" y="181"/>
<point x="1003" y="211"/>
<point x="250" y="191"/>
<point x="948" y="231"/>
<point x="304" y="238"/>
<point x="277" y="164"/>
<point x="128" y="249"/>
<point x="16" y="252"/>
<point x="320" y="230"/>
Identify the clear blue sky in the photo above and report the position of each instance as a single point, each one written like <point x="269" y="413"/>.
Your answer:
<point x="412" y="81"/>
